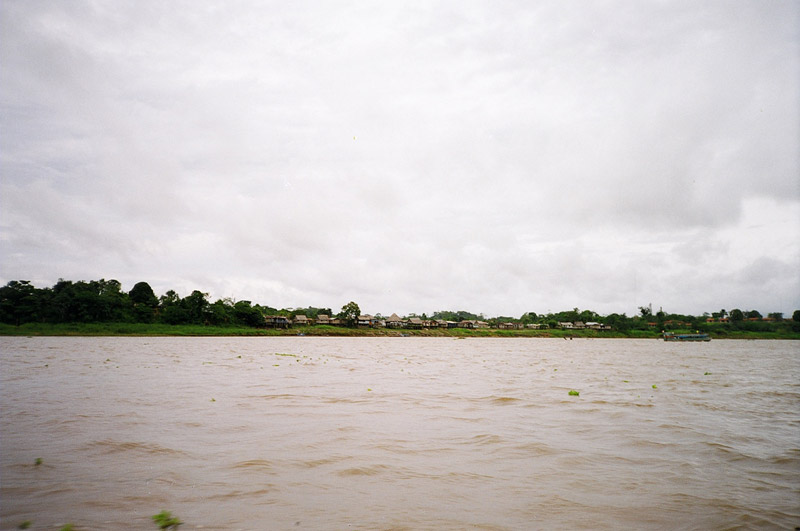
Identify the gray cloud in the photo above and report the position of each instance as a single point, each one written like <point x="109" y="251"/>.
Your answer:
<point x="498" y="157"/>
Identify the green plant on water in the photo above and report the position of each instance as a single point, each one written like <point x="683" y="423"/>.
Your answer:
<point x="165" y="520"/>
<point x="67" y="527"/>
<point x="25" y="525"/>
<point x="706" y="373"/>
<point x="213" y="400"/>
<point x="38" y="461"/>
<point x="655" y="386"/>
<point x="573" y="392"/>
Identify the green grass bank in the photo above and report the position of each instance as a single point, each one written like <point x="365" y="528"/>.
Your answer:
<point x="141" y="329"/>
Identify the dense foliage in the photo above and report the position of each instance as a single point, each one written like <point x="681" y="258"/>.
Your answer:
<point x="99" y="301"/>
<point x="104" y="301"/>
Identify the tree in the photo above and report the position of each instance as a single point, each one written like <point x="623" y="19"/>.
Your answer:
<point x="196" y="306"/>
<point x="144" y="302"/>
<point x="18" y="302"/>
<point x="796" y="316"/>
<point x="114" y="303"/>
<point x="618" y="322"/>
<point x="142" y="293"/>
<point x="588" y="316"/>
<point x="171" y="310"/>
<point x="350" y="313"/>
<point x="221" y="312"/>
<point x="460" y="315"/>
<point x="737" y="315"/>
<point x="170" y="298"/>
<point x="248" y="315"/>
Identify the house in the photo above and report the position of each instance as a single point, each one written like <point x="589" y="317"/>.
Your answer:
<point x="414" y="322"/>
<point x="323" y="319"/>
<point x="277" y="321"/>
<point x="473" y="324"/>
<point x="365" y="321"/>
<point x="301" y="320"/>
<point x="566" y="326"/>
<point x="394" y="321"/>
<point x="509" y="326"/>
<point x="534" y="326"/>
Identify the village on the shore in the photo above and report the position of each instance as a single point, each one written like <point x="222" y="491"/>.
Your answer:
<point x="81" y="303"/>
<point x="417" y="323"/>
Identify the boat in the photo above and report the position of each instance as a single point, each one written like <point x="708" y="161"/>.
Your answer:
<point x="672" y="336"/>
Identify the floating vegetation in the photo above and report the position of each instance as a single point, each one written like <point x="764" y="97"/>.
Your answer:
<point x="573" y="392"/>
<point x="67" y="527"/>
<point x="38" y="461"/>
<point x="165" y="520"/>
<point x="369" y="389"/>
<point x="288" y="355"/>
<point x="706" y="373"/>
<point x="25" y="525"/>
<point x="655" y="386"/>
<point x="213" y="400"/>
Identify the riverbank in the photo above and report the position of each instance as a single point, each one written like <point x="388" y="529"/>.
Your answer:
<point x="142" y="329"/>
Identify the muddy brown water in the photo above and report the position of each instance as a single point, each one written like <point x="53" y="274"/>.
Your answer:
<point x="399" y="433"/>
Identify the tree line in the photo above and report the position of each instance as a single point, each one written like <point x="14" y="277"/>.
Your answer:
<point x="98" y="301"/>
<point x="105" y="301"/>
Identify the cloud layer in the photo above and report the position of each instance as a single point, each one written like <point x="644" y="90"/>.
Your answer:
<point x="495" y="157"/>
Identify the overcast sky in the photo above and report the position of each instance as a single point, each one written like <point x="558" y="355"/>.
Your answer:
<point x="496" y="157"/>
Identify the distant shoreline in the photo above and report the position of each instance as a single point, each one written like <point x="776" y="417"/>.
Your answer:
<point x="161" y="330"/>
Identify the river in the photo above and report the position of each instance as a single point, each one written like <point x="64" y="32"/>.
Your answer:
<point x="399" y="433"/>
